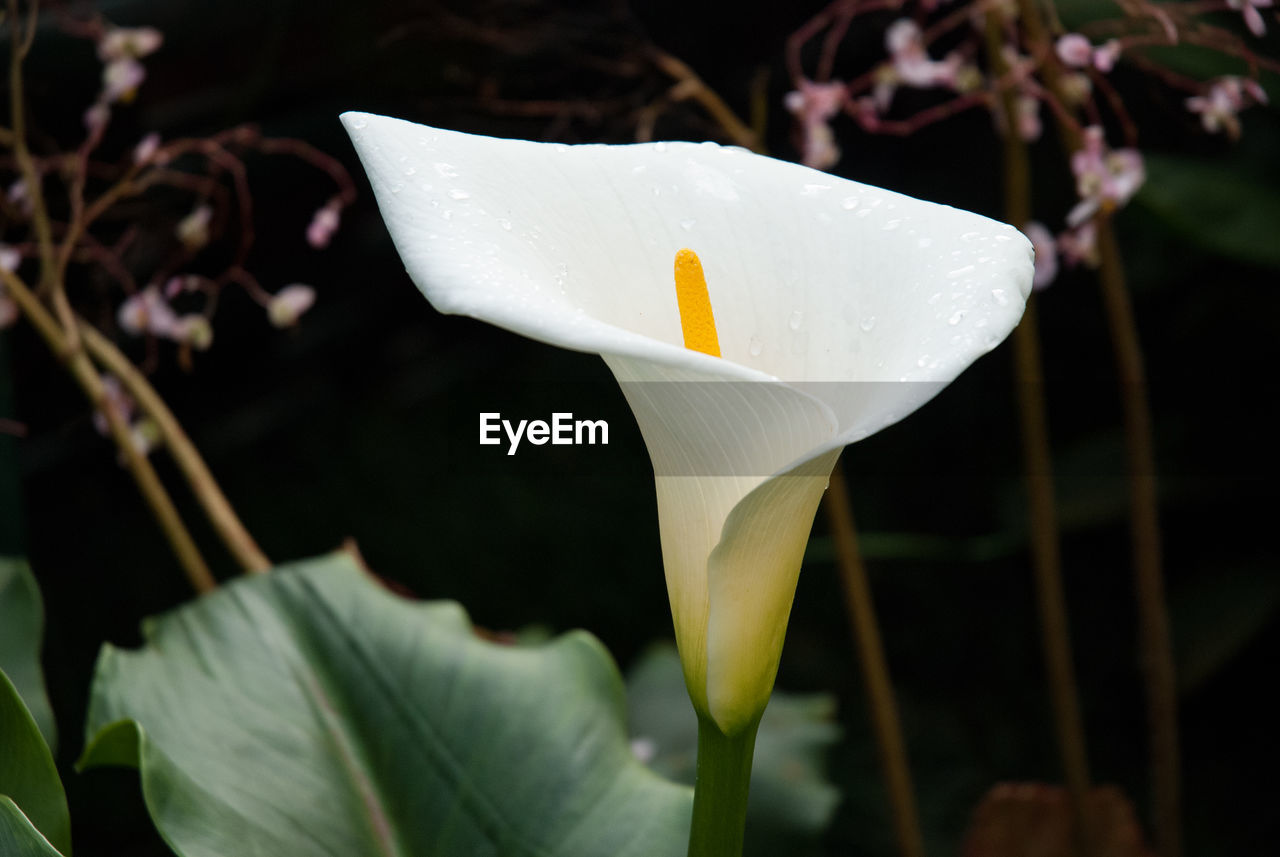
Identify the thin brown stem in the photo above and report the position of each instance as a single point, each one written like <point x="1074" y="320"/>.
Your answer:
<point x="205" y="488"/>
<point x="693" y="87"/>
<point x="86" y="375"/>
<point x="1046" y="555"/>
<point x="1153" y="619"/>
<point x="875" y="670"/>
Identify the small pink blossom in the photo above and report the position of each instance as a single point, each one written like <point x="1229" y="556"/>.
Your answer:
<point x="1225" y="98"/>
<point x="10" y="257"/>
<point x="1074" y="50"/>
<point x="1105" y="179"/>
<point x="121" y="79"/>
<point x="323" y="225"/>
<point x="129" y="43"/>
<point x="1079" y="245"/>
<point x="116" y="398"/>
<point x="814" y="105"/>
<point x="1252" y="17"/>
<point x="18" y="196"/>
<point x="146" y="312"/>
<point x="1029" y="125"/>
<point x="193" y="230"/>
<point x="288" y="304"/>
<point x="1046" y="250"/>
<point x="1106" y="55"/>
<point x="905" y="43"/>
<point x="146" y="148"/>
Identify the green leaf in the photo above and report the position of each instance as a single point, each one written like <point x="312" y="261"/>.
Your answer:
<point x="18" y="838"/>
<point x="1215" y="206"/>
<point x="28" y="781"/>
<point x="310" y="712"/>
<point x="791" y="799"/>
<point x="21" y="629"/>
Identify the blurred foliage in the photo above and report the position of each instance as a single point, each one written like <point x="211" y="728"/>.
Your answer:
<point x="335" y="429"/>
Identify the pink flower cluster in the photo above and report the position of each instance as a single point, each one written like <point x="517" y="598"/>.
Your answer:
<point x="1106" y="179"/>
<point x="1222" y="102"/>
<point x="814" y="105"/>
<point x="120" y="49"/>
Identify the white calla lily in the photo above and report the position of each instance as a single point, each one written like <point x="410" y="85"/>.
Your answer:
<point x="839" y="308"/>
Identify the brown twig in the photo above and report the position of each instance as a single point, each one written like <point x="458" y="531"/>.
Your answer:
<point x="223" y="518"/>
<point x="875" y="670"/>
<point x="694" y="88"/>
<point x="139" y="466"/>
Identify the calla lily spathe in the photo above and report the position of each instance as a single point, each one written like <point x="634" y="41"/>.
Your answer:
<point x="839" y="307"/>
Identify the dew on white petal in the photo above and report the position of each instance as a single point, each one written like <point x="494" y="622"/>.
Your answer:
<point x="849" y="203"/>
<point x="687" y="224"/>
<point x="447" y="214"/>
<point x="874" y="201"/>
<point x="956" y="317"/>
<point x="756" y="347"/>
<point x="426" y="187"/>
<point x="934" y="298"/>
<point x="396" y="187"/>
<point x="657" y="191"/>
<point x="638" y="168"/>
<point x="457" y="193"/>
<point x="990" y="341"/>
<point x="448" y="171"/>
<point x="969" y="236"/>
<point x="505" y="224"/>
<point x="815" y="189"/>
<point x="924" y="242"/>
<point x="864" y="212"/>
<point x="1003" y="238"/>
<point x="410" y="170"/>
<point x="797" y="319"/>
<point x="562" y="277"/>
<point x="359" y="122"/>
<point x="867" y="324"/>
<point x="924" y="359"/>
<point x="892" y="225"/>
<point x="999" y="296"/>
<point x="960" y="272"/>
<point x="982" y="322"/>
<point x="823" y="217"/>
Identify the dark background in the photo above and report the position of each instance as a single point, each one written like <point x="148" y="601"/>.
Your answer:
<point x="334" y="429"/>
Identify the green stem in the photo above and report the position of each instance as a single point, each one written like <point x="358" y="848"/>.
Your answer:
<point x="720" y="791"/>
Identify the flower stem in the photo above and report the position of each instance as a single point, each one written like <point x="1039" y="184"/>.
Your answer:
<point x="1046" y="554"/>
<point x="1153" y="617"/>
<point x="149" y="484"/>
<point x="205" y="488"/>
<point x="875" y="670"/>
<point x="720" y="791"/>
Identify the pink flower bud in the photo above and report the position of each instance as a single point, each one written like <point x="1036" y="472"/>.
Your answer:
<point x="10" y="258"/>
<point x="323" y="225"/>
<point x="288" y="304"/>
<point x="121" y="79"/>
<point x="903" y="36"/>
<point x="1029" y="126"/>
<point x="146" y="312"/>
<point x="96" y="118"/>
<point x="1106" y="55"/>
<point x="1046" y="250"/>
<point x="1074" y="50"/>
<point x="146" y="148"/>
<point x="129" y="43"/>
<point x="193" y="230"/>
<point x="194" y="330"/>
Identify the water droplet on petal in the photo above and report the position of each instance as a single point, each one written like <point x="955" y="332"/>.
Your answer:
<point x="892" y="225"/>
<point x="999" y="296"/>
<point x="797" y="319"/>
<point x="505" y="224"/>
<point x="359" y="122"/>
<point x="756" y="347"/>
<point x="960" y="272"/>
<point x="687" y="224"/>
<point x="956" y="318"/>
<point x="924" y="242"/>
<point x="448" y="171"/>
<point x="867" y="324"/>
<point x="849" y="203"/>
<point x="459" y="194"/>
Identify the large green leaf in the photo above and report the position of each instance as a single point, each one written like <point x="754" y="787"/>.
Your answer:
<point x="18" y="838"/>
<point x="21" y="629"/>
<point x="31" y="796"/>
<point x="1215" y="206"/>
<point x="791" y="801"/>
<point x="310" y="712"/>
